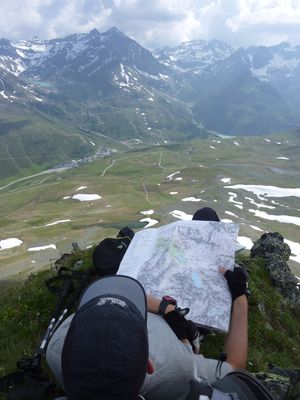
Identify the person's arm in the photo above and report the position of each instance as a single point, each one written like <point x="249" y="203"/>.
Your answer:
<point x="236" y="343"/>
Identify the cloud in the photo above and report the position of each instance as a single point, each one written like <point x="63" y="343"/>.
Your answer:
<point x="157" y="22"/>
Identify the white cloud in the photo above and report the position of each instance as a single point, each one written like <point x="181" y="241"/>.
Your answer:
<point x="158" y="22"/>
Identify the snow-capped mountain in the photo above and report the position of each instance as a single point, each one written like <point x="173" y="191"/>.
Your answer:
<point x="275" y="63"/>
<point x="10" y="60"/>
<point x="106" y="60"/>
<point x="251" y="90"/>
<point x="194" y="56"/>
<point x="14" y="90"/>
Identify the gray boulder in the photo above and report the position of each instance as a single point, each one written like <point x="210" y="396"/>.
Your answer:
<point x="272" y="248"/>
<point x="270" y="244"/>
<point x="283" y="279"/>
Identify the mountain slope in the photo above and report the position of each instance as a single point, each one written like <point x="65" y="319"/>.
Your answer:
<point x="246" y="107"/>
<point x="107" y="84"/>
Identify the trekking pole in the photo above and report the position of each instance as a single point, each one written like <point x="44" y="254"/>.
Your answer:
<point x="68" y="286"/>
<point x="71" y="302"/>
<point x="33" y="364"/>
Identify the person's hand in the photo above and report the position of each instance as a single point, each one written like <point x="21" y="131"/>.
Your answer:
<point x="236" y="281"/>
<point x="184" y="329"/>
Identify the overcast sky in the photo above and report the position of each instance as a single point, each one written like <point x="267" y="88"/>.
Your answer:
<point x="155" y="23"/>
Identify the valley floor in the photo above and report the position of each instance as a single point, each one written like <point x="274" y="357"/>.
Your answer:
<point x="254" y="182"/>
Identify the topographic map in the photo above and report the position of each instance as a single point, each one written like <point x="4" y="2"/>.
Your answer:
<point x="181" y="260"/>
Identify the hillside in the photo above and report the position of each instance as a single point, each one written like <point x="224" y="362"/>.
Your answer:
<point x="274" y="324"/>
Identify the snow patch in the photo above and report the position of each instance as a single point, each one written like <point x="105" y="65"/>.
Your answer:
<point x="10" y="243"/>
<point x="150" y="221"/>
<point x="231" y="214"/>
<point x="58" y="222"/>
<point x="66" y="197"/>
<point x="282" y="158"/>
<point x="226" y="180"/>
<point x="49" y="246"/>
<point x="227" y="221"/>
<point x="268" y="191"/>
<point x="190" y="199"/>
<point x="86" y="197"/>
<point x="173" y="192"/>
<point x="148" y="212"/>
<point x="236" y="143"/>
<point x="295" y="249"/>
<point x="170" y="177"/>
<point x="178" y="179"/>
<point x="181" y="215"/>
<point x="3" y="94"/>
<point x="257" y="204"/>
<point x="92" y="143"/>
<point x="245" y="242"/>
<point x="81" y="187"/>
<point x="286" y="219"/>
<point x="238" y="206"/>
<point x="37" y="98"/>
<point x="232" y="198"/>
<point x="256" y="228"/>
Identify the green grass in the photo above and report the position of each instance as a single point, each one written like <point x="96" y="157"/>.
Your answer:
<point x="25" y="311"/>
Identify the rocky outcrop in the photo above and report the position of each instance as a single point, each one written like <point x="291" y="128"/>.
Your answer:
<point x="282" y="383"/>
<point x="269" y="245"/>
<point x="276" y="253"/>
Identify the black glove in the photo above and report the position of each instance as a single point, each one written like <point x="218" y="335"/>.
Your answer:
<point x="193" y="335"/>
<point x="183" y="328"/>
<point x="237" y="282"/>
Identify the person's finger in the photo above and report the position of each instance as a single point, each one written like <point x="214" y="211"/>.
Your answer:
<point x="223" y="270"/>
<point x="185" y="341"/>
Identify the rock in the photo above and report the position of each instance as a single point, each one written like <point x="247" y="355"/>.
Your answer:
<point x="270" y="244"/>
<point x="78" y="265"/>
<point x="283" y="279"/>
<point x="282" y="383"/>
<point x="279" y="386"/>
<point x="62" y="260"/>
<point x="75" y="246"/>
<point x="272" y="248"/>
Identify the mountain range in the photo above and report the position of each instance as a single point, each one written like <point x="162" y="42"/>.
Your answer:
<point x="55" y="95"/>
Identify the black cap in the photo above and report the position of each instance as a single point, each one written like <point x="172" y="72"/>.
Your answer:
<point x="105" y="352"/>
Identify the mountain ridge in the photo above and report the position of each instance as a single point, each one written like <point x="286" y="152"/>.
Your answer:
<point x="113" y="86"/>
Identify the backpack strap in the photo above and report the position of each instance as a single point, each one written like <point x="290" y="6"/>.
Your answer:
<point x="257" y="388"/>
<point x="244" y="384"/>
<point x="197" y="389"/>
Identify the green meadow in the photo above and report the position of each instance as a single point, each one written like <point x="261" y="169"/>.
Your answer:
<point x="131" y="181"/>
